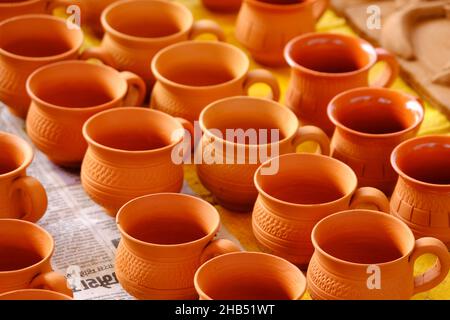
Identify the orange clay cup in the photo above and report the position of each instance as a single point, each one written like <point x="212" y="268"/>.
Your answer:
<point x="136" y="30"/>
<point x="25" y="253"/>
<point x="370" y="255"/>
<point x="165" y="238"/>
<point x="370" y="123"/>
<point x="264" y="27"/>
<point x="64" y="95"/>
<point x="249" y="276"/>
<point x="13" y="8"/>
<point x="222" y="6"/>
<point x="421" y="198"/>
<point x="130" y="155"/>
<point x="306" y="189"/>
<point x="229" y="176"/>
<point x="26" y="44"/>
<point x="324" y="65"/>
<point x="21" y="196"/>
<point x="34" y="294"/>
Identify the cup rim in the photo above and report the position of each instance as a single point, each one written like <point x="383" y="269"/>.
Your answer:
<point x="109" y="29"/>
<point x="359" y="212"/>
<point x="17" y="4"/>
<point x="180" y="196"/>
<point x="188" y="43"/>
<point x="236" y="98"/>
<point x="37" y="291"/>
<point x="280" y="7"/>
<point x="28" y="151"/>
<point x="40" y="229"/>
<point x="58" y="64"/>
<point x="92" y="142"/>
<point x="300" y="156"/>
<point x="294" y="64"/>
<point x="47" y="17"/>
<point x="331" y="109"/>
<point x="200" y="291"/>
<point x="411" y="142"/>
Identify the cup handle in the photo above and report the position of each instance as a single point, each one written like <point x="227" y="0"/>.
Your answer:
<point x="207" y="26"/>
<point x="319" y="8"/>
<point x="263" y="76"/>
<point x="218" y="248"/>
<point x="436" y="274"/>
<point x="137" y="89"/>
<point x="38" y="197"/>
<point x="188" y="126"/>
<point x="100" y="54"/>
<point x="52" y="281"/>
<point x="312" y="133"/>
<point x="369" y="195"/>
<point x="390" y="73"/>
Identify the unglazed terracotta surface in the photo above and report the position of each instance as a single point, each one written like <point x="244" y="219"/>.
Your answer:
<point x="324" y="65"/>
<point x="306" y="189"/>
<point x="136" y="30"/>
<point x="25" y="253"/>
<point x="61" y="105"/>
<point x="130" y="155"/>
<point x="369" y="255"/>
<point x="192" y="74"/>
<point x="28" y="43"/>
<point x="33" y="295"/>
<point x="222" y="6"/>
<point x="421" y="198"/>
<point x="229" y="178"/>
<point x="249" y="276"/>
<point x="165" y="238"/>
<point x="265" y="27"/>
<point x="21" y="196"/>
<point x="370" y="123"/>
<point x="13" y="8"/>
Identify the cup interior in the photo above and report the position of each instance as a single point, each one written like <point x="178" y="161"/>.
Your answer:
<point x="37" y="36"/>
<point x="22" y="245"/>
<point x="168" y="219"/>
<point x="281" y="2"/>
<point x="376" y="111"/>
<point x="14" y="154"/>
<point x="330" y="53"/>
<point x="77" y="84"/>
<point x="307" y="179"/>
<point x="250" y="276"/>
<point x="200" y="64"/>
<point x="148" y="19"/>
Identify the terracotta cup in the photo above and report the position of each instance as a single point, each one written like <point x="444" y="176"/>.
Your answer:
<point x="25" y="253"/>
<point x="28" y="43"/>
<point x="135" y="30"/>
<point x="165" y="238"/>
<point x="34" y="294"/>
<point x="130" y="155"/>
<point x="421" y="198"/>
<point x="64" y="95"/>
<point x="370" y="123"/>
<point x="229" y="161"/>
<point x="13" y="8"/>
<point x="370" y="255"/>
<point x="193" y="74"/>
<point x="21" y="196"/>
<point x="264" y="27"/>
<point x="324" y="65"/>
<point x="306" y="189"/>
<point x="249" y="276"/>
<point x="222" y="6"/>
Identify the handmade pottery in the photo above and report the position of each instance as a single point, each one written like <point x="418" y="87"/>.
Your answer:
<point x="21" y="196"/>
<point x="370" y="255"/>
<point x="13" y="8"/>
<point x="165" y="238"/>
<point x="222" y="6"/>
<point x="136" y="30"/>
<point x="421" y="198"/>
<point x="306" y="189"/>
<point x="33" y="294"/>
<point x="130" y="155"/>
<point x="28" y="43"/>
<point x="240" y="133"/>
<point x="324" y="65"/>
<point x="370" y="123"/>
<point x="25" y="253"/>
<point x="61" y="104"/>
<point x="192" y="74"/>
<point x="249" y="276"/>
<point x="264" y="27"/>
